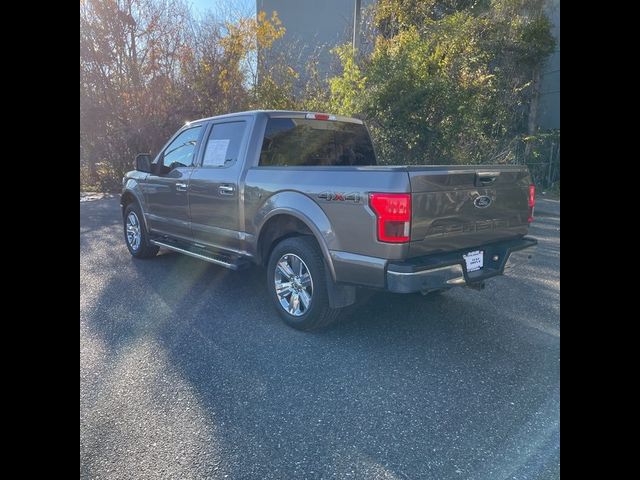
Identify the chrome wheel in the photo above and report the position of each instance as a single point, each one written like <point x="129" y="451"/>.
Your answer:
<point x="294" y="285"/>
<point x="133" y="231"/>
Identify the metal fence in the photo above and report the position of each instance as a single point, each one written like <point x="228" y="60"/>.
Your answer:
<point x="542" y="155"/>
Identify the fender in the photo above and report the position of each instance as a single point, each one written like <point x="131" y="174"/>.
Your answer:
<point x="132" y="187"/>
<point x="308" y="212"/>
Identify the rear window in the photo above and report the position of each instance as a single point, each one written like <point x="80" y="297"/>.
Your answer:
<point x="306" y="142"/>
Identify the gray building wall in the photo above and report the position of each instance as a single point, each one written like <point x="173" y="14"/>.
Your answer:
<point x="313" y="28"/>
<point x="549" y="107"/>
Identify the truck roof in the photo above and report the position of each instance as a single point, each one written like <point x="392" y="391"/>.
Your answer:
<point x="277" y="114"/>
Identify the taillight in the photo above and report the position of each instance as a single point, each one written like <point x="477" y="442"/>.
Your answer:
<point x="394" y="216"/>
<point x="532" y="201"/>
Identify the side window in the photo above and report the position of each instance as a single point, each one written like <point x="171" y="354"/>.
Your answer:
<point x="180" y="152"/>
<point x="223" y="144"/>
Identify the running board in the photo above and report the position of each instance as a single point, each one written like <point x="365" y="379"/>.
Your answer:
<point x="211" y="258"/>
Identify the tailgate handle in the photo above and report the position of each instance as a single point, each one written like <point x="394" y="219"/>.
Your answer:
<point x="486" y="178"/>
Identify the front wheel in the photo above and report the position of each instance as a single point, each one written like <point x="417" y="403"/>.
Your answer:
<point x="297" y="283"/>
<point x="136" y="235"/>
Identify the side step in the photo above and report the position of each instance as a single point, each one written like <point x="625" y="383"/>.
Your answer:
<point x="224" y="261"/>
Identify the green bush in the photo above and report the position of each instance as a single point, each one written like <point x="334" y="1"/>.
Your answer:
<point x="447" y="82"/>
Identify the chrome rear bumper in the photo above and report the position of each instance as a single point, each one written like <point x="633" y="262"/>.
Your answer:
<point x="435" y="279"/>
<point x="447" y="270"/>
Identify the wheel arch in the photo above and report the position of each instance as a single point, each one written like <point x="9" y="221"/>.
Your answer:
<point x="127" y="198"/>
<point x="294" y="214"/>
<point x="130" y="194"/>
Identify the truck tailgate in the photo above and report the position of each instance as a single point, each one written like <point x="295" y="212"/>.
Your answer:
<point x="457" y="207"/>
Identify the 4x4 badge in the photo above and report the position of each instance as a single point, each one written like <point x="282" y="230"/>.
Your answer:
<point x="340" y="197"/>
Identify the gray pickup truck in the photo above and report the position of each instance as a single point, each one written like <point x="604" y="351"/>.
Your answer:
<point x="300" y="193"/>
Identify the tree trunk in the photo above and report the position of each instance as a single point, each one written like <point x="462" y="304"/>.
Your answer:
<point x="532" y="124"/>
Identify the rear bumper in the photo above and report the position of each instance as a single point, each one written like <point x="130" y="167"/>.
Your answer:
<point x="446" y="270"/>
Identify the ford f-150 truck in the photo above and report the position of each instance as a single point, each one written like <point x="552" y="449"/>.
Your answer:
<point x="301" y="194"/>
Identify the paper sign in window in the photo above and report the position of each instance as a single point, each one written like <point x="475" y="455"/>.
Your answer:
<point x="216" y="152"/>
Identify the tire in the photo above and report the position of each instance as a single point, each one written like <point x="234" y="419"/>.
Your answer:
<point x="140" y="248"/>
<point x="310" y="311"/>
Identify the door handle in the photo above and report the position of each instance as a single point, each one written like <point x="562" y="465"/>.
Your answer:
<point x="226" y="189"/>
<point x="181" y="187"/>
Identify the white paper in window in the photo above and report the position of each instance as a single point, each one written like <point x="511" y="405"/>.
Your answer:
<point x="216" y="152"/>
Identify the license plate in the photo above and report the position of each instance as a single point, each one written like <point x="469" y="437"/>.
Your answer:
<point x="475" y="260"/>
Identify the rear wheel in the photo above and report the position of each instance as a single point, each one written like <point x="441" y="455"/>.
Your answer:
<point x="135" y="233"/>
<point x="297" y="283"/>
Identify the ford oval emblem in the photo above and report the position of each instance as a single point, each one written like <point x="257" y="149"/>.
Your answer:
<point x="482" y="201"/>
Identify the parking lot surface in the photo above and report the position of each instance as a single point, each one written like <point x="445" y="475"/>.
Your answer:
<point x="187" y="372"/>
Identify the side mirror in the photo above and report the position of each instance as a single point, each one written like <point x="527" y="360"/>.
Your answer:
<point x="143" y="162"/>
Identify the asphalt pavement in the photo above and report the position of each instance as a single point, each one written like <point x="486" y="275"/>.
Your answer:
<point x="546" y="207"/>
<point x="186" y="372"/>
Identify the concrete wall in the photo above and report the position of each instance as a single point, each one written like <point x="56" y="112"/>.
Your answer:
<point x="549" y="109"/>
<point x="313" y="27"/>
